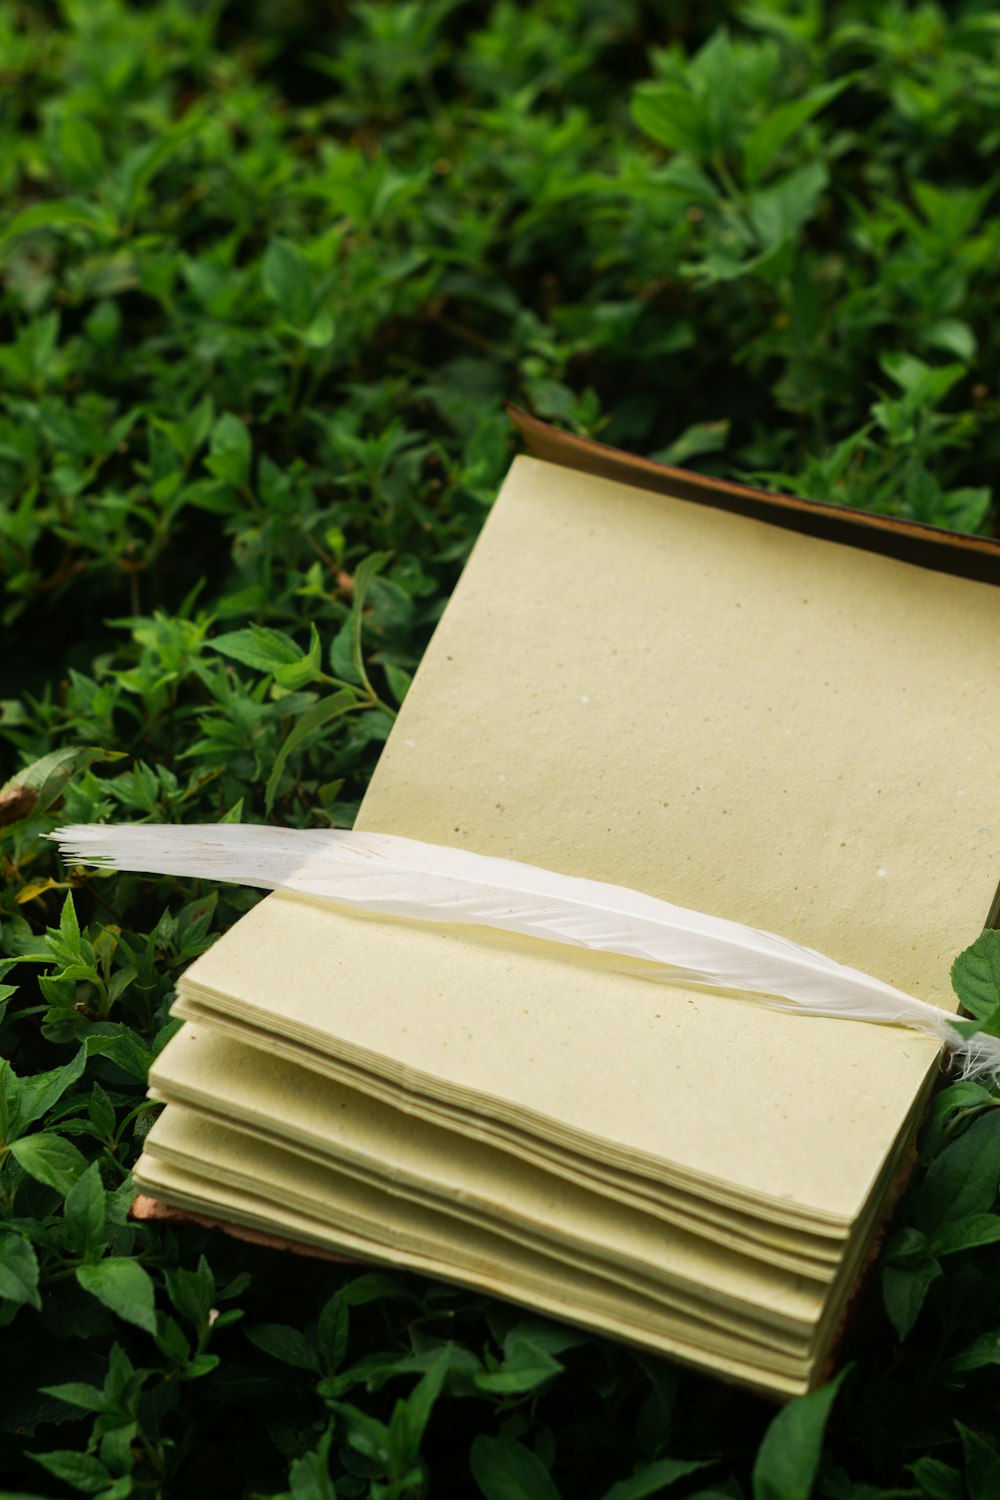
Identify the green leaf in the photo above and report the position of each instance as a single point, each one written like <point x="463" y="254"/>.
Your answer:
<point x="505" y="1469"/>
<point x="76" y="1393"/>
<point x="44" y="781"/>
<point x="955" y="1098"/>
<point x="124" y="1287"/>
<point x="908" y="1272"/>
<point x="766" y="139"/>
<point x="85" y="1212"/>
<point x="332" y="1332"/>
<point x="127" y="188"/>
<point x="655" y="1418"/>
<point x="38" y="1094"/>
<point x="122" y="1488"/>
<point x="954" y="336"/>
<point x="922" y="384"/>
<point x="319" y="332"/>
<point x="983" y="1351"/>
<point x="81" y="1471"/>
<point x="904" y="1290"/>
<point x="780" y="211"/>
<point x="982" y="1465"/>
<point x="267" y="650"/>
<point x="309" y="1476"/>
<point x="200" y="1365"/>
<point x="69" y="927"/>
<point x="365" y="1434"/>
<point x="967" y="1233"/>
<point x="122" y="1046"/>
<point x="10" y="1103"/>
<point x="975" y="976"/>
<point x="714" y="1494"/>
<point x="192" y="1292"/>
<point x="965" y="509"/>
<point x="674" y="117"/>
<point x="375" y="1286"/>
<point x="119" y="1203"/>
<point x="342" y="654"/>
<point x="171" y="1341"/>
<point x="788" y="1457"/>
<point x="963" y="1180"/>
<point x="306" y="669"/>
<point x="653" y="1478"/>
<point x="58" y="213"/>
<point x="287" y="279"/>
<point x="410" y="1416"/>
<point x="938" y="1480"/>
<point x="702" y="437"/>
<point x="188" y="433"/>
<point x="18" y="1269"/>
<point x="363" y="575"/>
<point x="49" y="1159"/>
<point x="314" y="718"/>
<point x="525" y="1368"/>
<point x="115" y="1449"/>
<point x="80" y="149"/>
<point x="398" y="680"/>
<point x="229" y="451"/>
<point x="285" y="1343"/>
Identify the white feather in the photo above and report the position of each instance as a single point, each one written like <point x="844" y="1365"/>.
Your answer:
<point x="400" y="877"/>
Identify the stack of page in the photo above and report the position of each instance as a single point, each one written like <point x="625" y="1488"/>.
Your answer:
<point x="639" y="684"/>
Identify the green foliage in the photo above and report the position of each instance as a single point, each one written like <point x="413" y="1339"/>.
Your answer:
<point x="789" y="1455"/>
<point x="267" y="275"/>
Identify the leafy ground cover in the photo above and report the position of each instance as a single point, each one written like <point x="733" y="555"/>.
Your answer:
<point x="269" y="272"/>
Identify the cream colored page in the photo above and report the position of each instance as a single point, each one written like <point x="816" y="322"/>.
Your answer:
<point x="735" y="717"/>
<point x="186" y="1138"/>
<point x="812" y="1249"/>
<point x="255" y="1206"/>
<point x="337" y="1125"/>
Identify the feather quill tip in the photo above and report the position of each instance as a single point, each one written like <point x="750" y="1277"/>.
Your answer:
<point x="977" y="1057"/>
<point x="83" y="844"/>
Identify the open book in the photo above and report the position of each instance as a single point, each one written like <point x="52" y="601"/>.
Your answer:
<point x="764" y="709"/>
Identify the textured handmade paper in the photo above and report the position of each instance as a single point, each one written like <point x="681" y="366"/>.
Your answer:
<point x="336" y="1126"/>
<point x="728" y="715"/>
<point x="204" y="1166"/>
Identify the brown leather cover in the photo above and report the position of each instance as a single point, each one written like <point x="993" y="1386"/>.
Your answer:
<point x="927" y="546"/>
